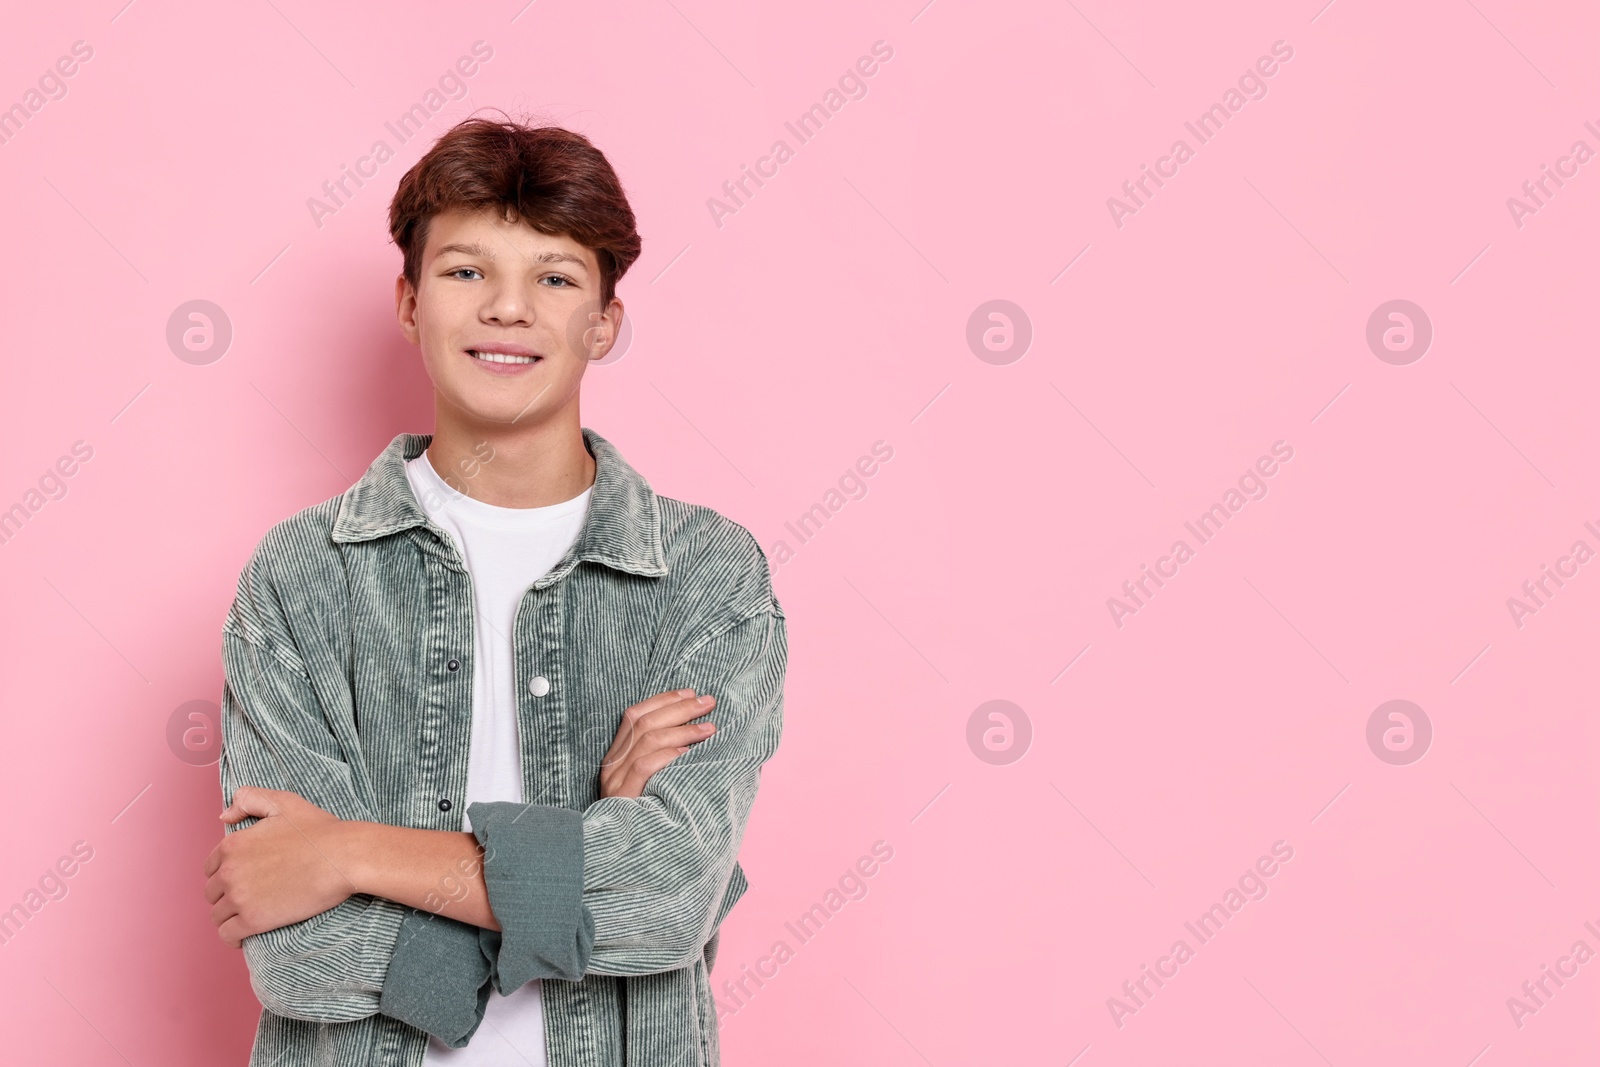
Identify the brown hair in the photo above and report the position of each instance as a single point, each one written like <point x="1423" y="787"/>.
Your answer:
<point x="551" y="178"/>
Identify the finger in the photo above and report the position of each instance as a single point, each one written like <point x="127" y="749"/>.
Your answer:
<point x="669" y="709"/>
<point x="254" y="800"/>
<point x="213" y="861"/>
<point x="675" y="714"/>
<point x="223" y="910"/>
<point x="660" y="700"/>
<point x="214" y="890"/>
<point x="234" y="931"/>
<point x="675" y="737"/>
<point x="646" y="766"/>
<point x="633" y="714"/>
<point x="656" y="740"/>
<point x="678" y="712"/>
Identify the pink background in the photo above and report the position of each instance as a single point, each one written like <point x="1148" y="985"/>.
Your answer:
<point x="768" y="354"/>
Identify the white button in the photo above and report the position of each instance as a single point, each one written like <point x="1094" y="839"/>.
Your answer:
<point x="539" y="685"/>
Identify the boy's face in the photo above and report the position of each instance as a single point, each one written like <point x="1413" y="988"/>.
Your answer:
<point x="484" y="282"/>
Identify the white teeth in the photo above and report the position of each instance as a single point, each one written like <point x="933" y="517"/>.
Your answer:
<point x="500" y="357"/>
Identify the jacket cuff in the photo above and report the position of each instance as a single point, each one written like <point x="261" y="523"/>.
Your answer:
<point x="533" y="869"/>
<point x="438" y="979"/>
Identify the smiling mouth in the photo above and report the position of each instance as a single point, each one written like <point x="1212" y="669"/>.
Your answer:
<point x="500" y="357"/>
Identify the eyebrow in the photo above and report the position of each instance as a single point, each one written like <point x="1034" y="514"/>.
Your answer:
<point x="475" y="248"/>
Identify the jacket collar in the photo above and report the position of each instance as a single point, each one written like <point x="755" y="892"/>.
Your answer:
<point x="621" y="530"/>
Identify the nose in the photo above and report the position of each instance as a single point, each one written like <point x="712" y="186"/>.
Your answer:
<point x="509" y="306"/>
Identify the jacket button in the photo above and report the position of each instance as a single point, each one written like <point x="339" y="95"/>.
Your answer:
<point x="444" y="804"/>
<point x="453" y="665"/>
<point x="539" y="685"/>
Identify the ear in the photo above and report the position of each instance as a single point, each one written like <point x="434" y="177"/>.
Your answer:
<point x="607" y="330"/>
<point x="405" y="308"/>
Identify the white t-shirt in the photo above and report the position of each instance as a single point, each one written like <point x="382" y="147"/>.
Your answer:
<point x="505" y="551"/>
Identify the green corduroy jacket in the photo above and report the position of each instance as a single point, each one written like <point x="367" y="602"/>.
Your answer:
<point x="347" y="657"/>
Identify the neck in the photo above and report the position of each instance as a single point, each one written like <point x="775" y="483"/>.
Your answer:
<point x="530" y="466"/>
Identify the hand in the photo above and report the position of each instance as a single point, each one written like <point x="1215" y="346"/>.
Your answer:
<point x="283" y="869"/>
<point x="653" y="733"/>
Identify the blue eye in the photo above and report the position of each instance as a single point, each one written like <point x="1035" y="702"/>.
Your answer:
<point x="458" y="270"/>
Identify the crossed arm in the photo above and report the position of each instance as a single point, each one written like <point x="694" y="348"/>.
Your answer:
<point x="299" y="860"/>
<point x="341" y="917"/>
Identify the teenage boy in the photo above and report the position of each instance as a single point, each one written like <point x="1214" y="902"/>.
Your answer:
<point x="495" y="716"/>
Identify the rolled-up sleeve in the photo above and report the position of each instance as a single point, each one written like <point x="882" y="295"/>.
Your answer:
<point x="653" y="869"/>
<point x="438" y="978"/>
<point x="367" y="954"/>
<point x="533" y="870"/>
